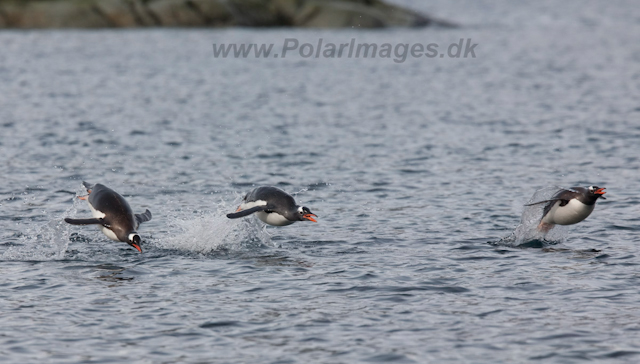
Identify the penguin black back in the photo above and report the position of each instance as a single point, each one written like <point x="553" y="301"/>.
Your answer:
<point x="277" y="198"/>
<point x="116" y="209"/>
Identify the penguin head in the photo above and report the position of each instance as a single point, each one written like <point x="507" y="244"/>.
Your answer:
<point x="305" y="214"/>
<point x="597" y="191"/>
<point x="134" y="240"/>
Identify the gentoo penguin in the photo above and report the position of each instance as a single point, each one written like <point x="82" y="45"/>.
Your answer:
<point x="273" y="206"/>
<point x="114" y="215"/>
<point x="569" y="206"/>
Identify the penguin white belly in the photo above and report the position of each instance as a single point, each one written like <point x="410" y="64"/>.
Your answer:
<point x="106" y="231"/>
<point x="571" y="213"/>
<point x="273" y="218"/>
<point x="95" y="213"/>
<point x="110" y="234"/>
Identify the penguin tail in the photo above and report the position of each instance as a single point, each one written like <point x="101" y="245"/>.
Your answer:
<point x="146" y="216"/>
<point x="247" y="212"/>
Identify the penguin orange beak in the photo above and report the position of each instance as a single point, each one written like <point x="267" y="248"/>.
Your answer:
<point x="600" y="191"/>
<point x="308" y="217"/>
<point x="137" y="247"/>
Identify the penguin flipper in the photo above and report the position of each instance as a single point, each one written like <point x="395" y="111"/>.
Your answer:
<point x="247" y="212"/>
<point x="562" y="202"/>
<point x="541" y="202"/>
<point x="92" y="221"/>
<point x="146" y="216"/>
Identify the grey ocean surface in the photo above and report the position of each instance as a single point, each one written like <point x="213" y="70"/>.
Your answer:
<point x="416" y="170"/>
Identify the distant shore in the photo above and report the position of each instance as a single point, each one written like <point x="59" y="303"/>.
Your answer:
<point x="43" y="14"/>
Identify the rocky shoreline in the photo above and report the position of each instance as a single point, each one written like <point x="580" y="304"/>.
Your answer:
<point x="39" y="14"/>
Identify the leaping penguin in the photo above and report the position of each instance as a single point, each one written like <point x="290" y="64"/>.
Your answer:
<point x="114" y="215"/>
<point x="273" y="206"/>
<point x="569" y="206"/>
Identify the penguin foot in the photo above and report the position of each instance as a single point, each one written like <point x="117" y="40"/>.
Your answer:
<point x="545" y="227"/>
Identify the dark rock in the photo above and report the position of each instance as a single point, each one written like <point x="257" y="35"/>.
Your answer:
<point x="214" y="12"/>
<point x="144" y="18"/>
<point x="54" y="14"/>
<point x="256" y="13"/>
<point x="333" y="14"/>
<point x="175" y="13"/>
<point x="117" y="13"/>
<point x="207" y="13"/>
<point x="286" y="10"/>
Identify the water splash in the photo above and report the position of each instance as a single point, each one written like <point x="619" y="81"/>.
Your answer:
<point x="526" y="233"/>
<point x="213" y="231"/>
<point x="45" y="242"/>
